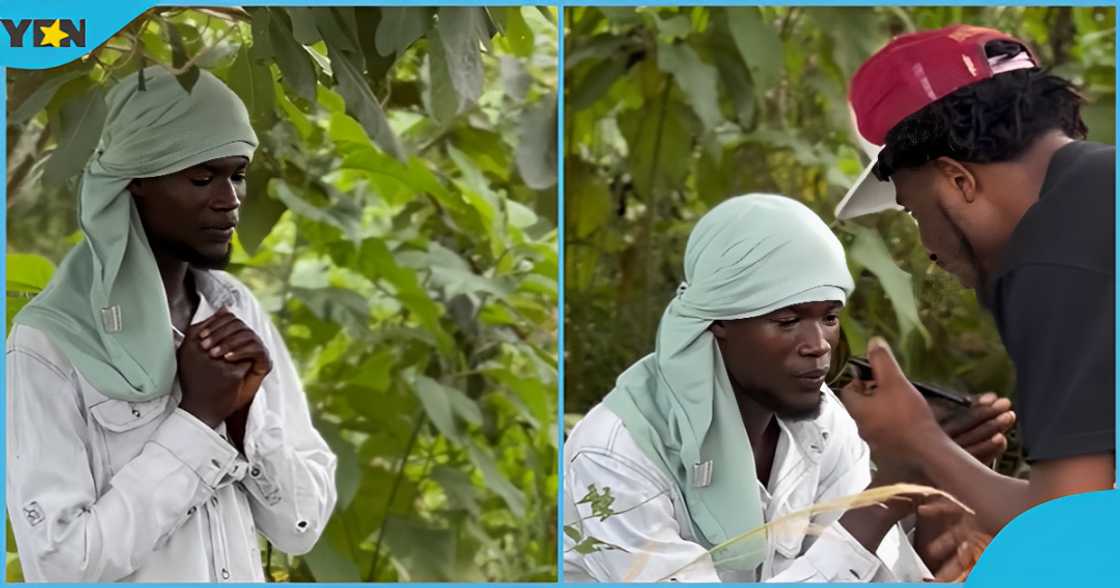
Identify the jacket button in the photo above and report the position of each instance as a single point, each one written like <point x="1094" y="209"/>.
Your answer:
<point x="225" y="574"/>
<point x="255" y="472"/>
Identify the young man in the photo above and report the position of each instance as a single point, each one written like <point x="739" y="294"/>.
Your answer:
<point x="730" y="425"/>
<point x="155" y="420"/>
<point x="984" y="149"/>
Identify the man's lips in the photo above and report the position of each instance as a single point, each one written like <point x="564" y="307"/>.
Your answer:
<point x="813" y="374"/>
<point x="220" y="232"/>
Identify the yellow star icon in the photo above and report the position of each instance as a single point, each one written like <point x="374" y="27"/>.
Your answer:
<point x="52" y="35"/>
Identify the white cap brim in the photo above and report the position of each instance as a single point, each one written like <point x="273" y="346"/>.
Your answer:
<point x="867" y="195"/>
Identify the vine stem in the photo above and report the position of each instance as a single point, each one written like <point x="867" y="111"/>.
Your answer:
<point x="397" y="479"/>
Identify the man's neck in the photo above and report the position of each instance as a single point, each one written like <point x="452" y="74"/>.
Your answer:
<point x="182" y="299"/>
<point x="1022" y="179"/>
<point x="762" y="430"/>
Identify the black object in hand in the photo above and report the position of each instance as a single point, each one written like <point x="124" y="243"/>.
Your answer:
<point x="864" y="368"/>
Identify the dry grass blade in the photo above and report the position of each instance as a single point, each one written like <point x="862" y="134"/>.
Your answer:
<point x="871" y="497"/>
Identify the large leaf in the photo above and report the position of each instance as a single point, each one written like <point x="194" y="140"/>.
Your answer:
<point x="252" y="81"/>
<point x="587" y="199"/>
<point x="660" y="140"/>
<point x="871" y="252"/>
<point x="428" y="553"/>
<point x="188" y="74"/>
<point x="28" y="272"/>
<point x="38" y="99"/>
<point x="496" y="480"/>
<point x="80" y="122"/>
<point x="536" y="148"/>
<point x="260" y="210"/>
<point x="461" y="32"/>
<point x="695" y="78"/>
<point x="400" y="27"/>
<point x="296" y="67"/>
<point x="363" y="105"/>
<point x="758" y="44"/>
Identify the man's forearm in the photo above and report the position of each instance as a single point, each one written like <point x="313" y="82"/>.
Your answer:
<point x="995" y="498"/>
<point x="869" y="524"/>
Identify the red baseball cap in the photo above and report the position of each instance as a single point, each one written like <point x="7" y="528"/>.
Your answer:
<point x="909" y="73"/>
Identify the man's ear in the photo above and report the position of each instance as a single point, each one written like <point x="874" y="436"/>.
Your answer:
<point x="718" y="329"/>
<point x="959" y="177"/>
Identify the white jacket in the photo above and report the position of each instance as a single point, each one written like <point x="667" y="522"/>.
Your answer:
<point x="104" y="490"/>
<point x="816" y="460"/>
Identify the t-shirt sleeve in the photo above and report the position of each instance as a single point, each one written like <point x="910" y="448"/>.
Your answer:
<point x="1057" y="323"/>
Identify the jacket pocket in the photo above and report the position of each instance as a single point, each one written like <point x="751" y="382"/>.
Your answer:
<point x="125" y="427"/>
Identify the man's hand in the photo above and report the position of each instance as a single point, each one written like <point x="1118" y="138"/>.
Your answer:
<point x="980" y="429"/>
<point x="221" y="366"/>
<point x="891" y="414"/>
<point x="229" y="339"/>
<point x="948" y="538"/>
<point x="210" y="386"/>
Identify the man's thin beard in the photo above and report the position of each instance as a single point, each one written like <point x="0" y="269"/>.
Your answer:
<point x="193" y="257"/>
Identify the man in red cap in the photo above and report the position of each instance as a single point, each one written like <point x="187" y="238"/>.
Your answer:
<point x="986" y="151"/>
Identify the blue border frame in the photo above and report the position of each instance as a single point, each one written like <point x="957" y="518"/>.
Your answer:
<point x="1077" y="532"/>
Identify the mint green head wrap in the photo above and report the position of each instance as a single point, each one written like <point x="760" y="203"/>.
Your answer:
<point x="747" y="257"/>
<point x="105" y="307"/>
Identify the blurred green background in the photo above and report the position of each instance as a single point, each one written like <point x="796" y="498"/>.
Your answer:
<point x="400" y="227"/>
<point x="669" y="111"/>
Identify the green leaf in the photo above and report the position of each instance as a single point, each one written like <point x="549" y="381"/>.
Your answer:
<point x="296" y="68"/>
<point x="758" y="44"/>
<point x="496" y="480"/>
<point x="260" y="211"/>
<point x="457" y="485"/>
<point x="341" y="217"/>
<point x="401" y="27"/>
<point x="253" y="83"/>
<point x="304" y="29"/>
<point x="695" y="78"/>
<point x="573" y="533"/>
<point x="461" y="30"/>
<point x="42" y="95"/>
<point x="426" y="552"/>
<point x="587" y="199"/>
<point x="517" y="33"/>
<point x="437" y="405"/>
<point x="660" y="139"/>
<point x="598" y="80"/>
<point x="80" y="122"/>
<point x="677" y="26"/>
<point x="536" y="148"/>
<point x="179" y="58"/>
<point x="363" y="105"/>
<point x="28" y="272"/>
<point x="871" y="252"/>
<point x="343" y="307"/>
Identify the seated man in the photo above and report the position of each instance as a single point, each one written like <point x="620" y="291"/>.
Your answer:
<point x="729" y="425"/>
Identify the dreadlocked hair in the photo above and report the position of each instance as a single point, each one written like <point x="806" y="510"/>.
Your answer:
<point x="990" y="121"/>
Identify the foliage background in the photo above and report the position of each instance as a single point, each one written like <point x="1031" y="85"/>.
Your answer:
<point x="669" y="111"/>
<point x="400" y="227"/>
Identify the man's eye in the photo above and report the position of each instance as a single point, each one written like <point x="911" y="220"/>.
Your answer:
<point x="832" y="319"/>
<point x="202" y="181"/>
<point x="788" y="321"/>
<point x="238" y="178"/>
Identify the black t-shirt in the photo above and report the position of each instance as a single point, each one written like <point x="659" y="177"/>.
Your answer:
<point x="1053" y="301"/>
